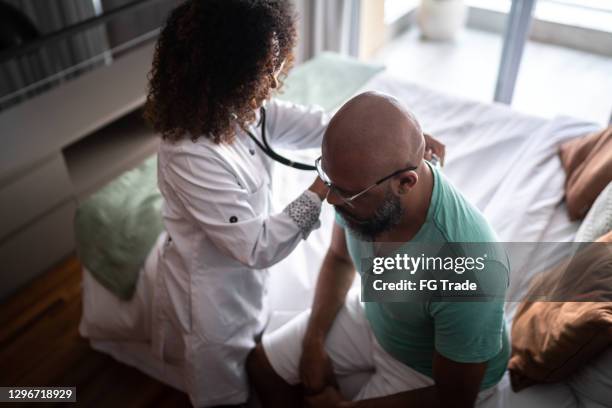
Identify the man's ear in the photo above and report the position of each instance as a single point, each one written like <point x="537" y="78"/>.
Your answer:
<point x="407" y="180"/>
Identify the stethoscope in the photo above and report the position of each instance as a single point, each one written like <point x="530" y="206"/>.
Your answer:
<point x="265" y="147"/>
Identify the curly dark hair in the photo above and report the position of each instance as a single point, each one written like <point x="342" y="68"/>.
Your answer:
<point x="214" y="63"/>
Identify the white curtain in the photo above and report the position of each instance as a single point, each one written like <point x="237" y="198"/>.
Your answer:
<point x="327" y="25"/>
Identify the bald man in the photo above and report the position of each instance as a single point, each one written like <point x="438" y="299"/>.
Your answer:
<point x="423" y="353"/>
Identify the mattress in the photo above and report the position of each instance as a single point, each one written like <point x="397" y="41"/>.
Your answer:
<point x="505" y="162"/>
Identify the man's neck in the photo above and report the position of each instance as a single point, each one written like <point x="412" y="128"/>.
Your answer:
<point x="418" y="202"/>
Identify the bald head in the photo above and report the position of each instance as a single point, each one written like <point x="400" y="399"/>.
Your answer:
<point x="374" y="133"/>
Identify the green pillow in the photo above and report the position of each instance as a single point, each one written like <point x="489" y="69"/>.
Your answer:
<point x="327" y="80"/>
<point x="117" y="226"/>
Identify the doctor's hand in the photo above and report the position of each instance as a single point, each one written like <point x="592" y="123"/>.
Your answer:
<point x="316" y="370"/>
<point x="319" y="188"/>
<point x="434" y="146"/>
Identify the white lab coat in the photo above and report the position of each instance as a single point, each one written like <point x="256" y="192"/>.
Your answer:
<point x="210" y="302"/>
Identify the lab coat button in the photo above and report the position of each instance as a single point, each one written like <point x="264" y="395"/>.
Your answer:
<point x="233" y="219"/>
<point x="252" y="151"/>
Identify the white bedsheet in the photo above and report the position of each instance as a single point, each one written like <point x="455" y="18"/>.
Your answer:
<point x="504" y="162"/>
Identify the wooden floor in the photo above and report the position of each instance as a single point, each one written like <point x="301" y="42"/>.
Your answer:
<point x="40" y="346"/>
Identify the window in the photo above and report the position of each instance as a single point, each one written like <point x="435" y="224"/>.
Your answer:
<point x="592" y="14"/>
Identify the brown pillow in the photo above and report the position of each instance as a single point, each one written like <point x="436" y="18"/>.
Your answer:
<point x="587" y="163"/>
<point x="552" y="340"/>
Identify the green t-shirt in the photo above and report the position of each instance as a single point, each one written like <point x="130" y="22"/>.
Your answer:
<point x="463" y="331"/>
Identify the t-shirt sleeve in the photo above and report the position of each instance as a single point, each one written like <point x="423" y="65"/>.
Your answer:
<point x="471" y="331"/>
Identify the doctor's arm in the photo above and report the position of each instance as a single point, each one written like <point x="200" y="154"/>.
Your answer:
<point x="233" y="218"/>
<point x="434" y="147"/>
<point x="293" y="126"/>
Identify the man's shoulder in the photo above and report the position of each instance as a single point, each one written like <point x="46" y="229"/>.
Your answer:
<point x="464" y="226"/>
<point x="457" y="218"/>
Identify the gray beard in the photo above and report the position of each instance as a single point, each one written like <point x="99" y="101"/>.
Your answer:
<point x="387" y="216"/>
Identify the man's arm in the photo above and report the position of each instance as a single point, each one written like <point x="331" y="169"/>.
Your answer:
<point x="335" y="279"/>
<point x="456" y="385"/>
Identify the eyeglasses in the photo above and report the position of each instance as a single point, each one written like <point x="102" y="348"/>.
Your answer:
<point x="349" y="199"/>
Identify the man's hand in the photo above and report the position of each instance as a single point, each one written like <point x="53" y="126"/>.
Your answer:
<point x="316" y="370"/>
<point x="328" y="398"/>
<point x="433" y="146"/>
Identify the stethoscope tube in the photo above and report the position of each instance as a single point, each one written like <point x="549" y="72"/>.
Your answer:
<point x="265" y="147"/>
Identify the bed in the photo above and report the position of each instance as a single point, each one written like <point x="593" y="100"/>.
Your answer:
<point x="505" y="162"/>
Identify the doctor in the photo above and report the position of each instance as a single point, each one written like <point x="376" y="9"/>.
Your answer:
<point x="216" y="63"/>
<point x="215" y="66"/>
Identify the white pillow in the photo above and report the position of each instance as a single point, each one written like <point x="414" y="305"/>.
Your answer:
<point x="593" y="384"/>
<point x="599" y="218"/>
